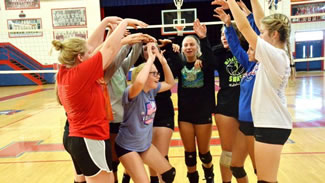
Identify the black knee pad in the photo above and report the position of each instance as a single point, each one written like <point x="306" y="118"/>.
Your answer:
<point x="205" y="158"/>
<point x="169" y="175"/>
<point x="115" y="165"/>
<point x="238" y="172"/>
<point x="193" y="177"/>
<point x="167" y="157"/>
<point x="154" y="179"/>
<point x="208" y="174"/>
<point x="190" y="158"/>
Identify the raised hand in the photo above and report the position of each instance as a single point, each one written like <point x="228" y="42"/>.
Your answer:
<point x="134" y="23"/>
<point x="160" y="55"/>
<point x="176" y="48"/>
<point x="243" y="6"/>
<point x="164" y="42"/>
<point x="133" y="38"/>
<point x="149" y="39"/>
<point x="127" y="32"/>
<point x="114" y="19"/>
<point x="200" y="29"/>
<point x="151" y="47"/>
<point x="222" y="3"/>
<point x="221" y="14"/>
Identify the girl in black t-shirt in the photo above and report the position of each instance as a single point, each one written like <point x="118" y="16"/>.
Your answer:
<point x="196" y="101"/>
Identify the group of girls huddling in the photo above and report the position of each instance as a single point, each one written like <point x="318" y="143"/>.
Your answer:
<point x="109" y="122"/>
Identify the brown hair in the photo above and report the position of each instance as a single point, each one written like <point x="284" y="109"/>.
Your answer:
<point x="239" y="34"/>
<point x="69" y="49"/>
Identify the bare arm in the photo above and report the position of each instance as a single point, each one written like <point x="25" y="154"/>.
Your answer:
<point x="139" y="83"/>
<point x="112" y="44"/>
<point x="97" y="37"/>
<point x="242" y="23"/>
<point x="258" y="13"/>
<point x="169" y="78"/>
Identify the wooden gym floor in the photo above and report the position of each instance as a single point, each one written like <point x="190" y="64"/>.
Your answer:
<point x="31" y="127"/>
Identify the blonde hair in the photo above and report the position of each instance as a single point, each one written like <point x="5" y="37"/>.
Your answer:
<point x="69" y="49"/>
<point x="198" y="51"/>
<point x="280" y="23"/>
<point x="136" y="71"/>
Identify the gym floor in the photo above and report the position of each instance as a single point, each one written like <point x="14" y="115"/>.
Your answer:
<point x="31" y="127"/>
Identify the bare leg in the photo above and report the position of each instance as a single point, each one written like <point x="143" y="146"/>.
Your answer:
<point x="133" y="163"/>
<point x="239" y="154"/>
<point x="187" y="133"/>
<point x="79" y="178"/>
<point x="203" y="133"/>
<point x="161" y="140"/>
<point x="155" y="160"/>
<point x="102" y="177"/>
<point x="250" y="140"/>
<point x="267" y="158"/>
<point x="227" y="127"/>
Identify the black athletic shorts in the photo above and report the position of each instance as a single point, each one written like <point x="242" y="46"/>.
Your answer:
<point x="67" y="147"/>
<point x="228" y="101"/>
<point x="120" y="151"/>
<point x="197" y="120"/>
<point x="247" y="128"/>
<point x="89" y="156"/>
<point x="114" y="127"/>
<point x="230" y="110"/>
<point x="168" y="123"/>
<point x="272" y="135"/>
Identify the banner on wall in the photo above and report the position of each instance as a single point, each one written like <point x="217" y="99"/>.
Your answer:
<point x="65" y="34"/>
<point x="25" y="28"/>
<point x="309" y="8"/>
<point x="69" y="17"/>
<point x="22" y="4"/>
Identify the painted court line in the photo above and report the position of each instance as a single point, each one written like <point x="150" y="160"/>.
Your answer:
<point x="24" y="94"/>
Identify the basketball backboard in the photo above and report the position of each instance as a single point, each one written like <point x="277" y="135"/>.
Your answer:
<point x="174" y="17"/>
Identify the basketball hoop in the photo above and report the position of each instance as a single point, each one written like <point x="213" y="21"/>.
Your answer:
<point x="178" y="3"/>
<point x="179" y="30"/>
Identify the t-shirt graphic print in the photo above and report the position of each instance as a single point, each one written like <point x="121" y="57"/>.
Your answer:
<point x="149" y="114"/>
<point x="235" y="71"/>
<point x="192" y="78"/>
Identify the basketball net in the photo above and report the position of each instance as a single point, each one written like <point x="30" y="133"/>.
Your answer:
<point x="178" y="4"/>
<point x="179" y="30"/>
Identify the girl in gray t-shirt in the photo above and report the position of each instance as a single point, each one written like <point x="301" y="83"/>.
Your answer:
<point x="133" y="142"/>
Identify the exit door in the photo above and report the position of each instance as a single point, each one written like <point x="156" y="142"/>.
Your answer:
<point x="309" y="49"/>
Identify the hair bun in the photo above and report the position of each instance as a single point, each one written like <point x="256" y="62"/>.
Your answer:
<point x="57" y="44"/>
